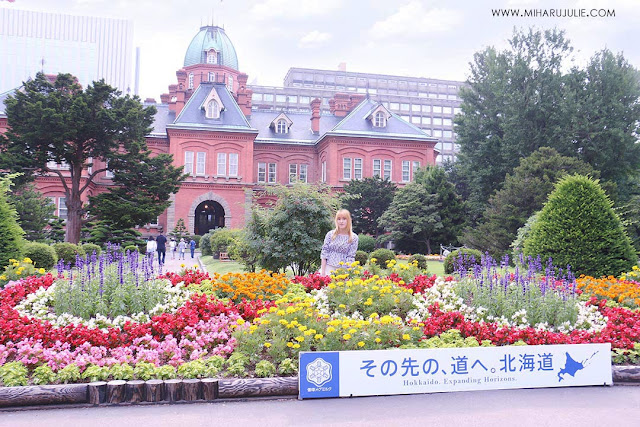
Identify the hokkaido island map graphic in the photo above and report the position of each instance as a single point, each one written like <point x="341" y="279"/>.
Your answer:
<point x="571" y="366"/>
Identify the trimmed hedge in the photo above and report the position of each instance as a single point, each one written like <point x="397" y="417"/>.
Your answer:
<point x="90" y="248"/>
<point x="42" y="255"/>
<point x="422" y="261"/>
<point x="362" y="257"/>
<point x="366" y="243"/>
<point x="67" y="252"/>
<point x="382" y="256"/>
<point x="468" y="257"/>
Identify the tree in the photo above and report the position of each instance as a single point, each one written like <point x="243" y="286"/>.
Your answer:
<point x="105" y="231"/>
<point x="512" y="106"/>
<point x="292" y="233"/>
<point x="35" y="211"/>
<point x="366" y="200"/>
<point x="10" y="231"/>
<point x="523" y="193"/>
<point x="180" y="231"/>
<point x="578" y="227"/>
<point x="62" y="123"/>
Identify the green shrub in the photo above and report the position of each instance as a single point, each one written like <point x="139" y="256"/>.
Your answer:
<point x="468" y="257"/>
<point x="222" y="239"/>
<point x="382" y="256"/>
<point x="579" y="227"/>
<point x="67" y="252"/>
<point x="192" y="369"/>
<point x="421" y="259"/>
<point x="96" y="373"/>
<point x="362" y="257"/>
<point x="43" y="374"/>
<point x="205" y="243"/>
<point x="197" y="238"/>
<point x="121" y="371"/>
<point x="42" y="255"/>
<point x="13" y="374"/>
<point x="69" y="374"/>
<point x="90" y="248"/>
<point x="131" y="248"/>
<point x="265" y="369"/>
<point x="366" y="243"/>
<point x="10" y="231"/>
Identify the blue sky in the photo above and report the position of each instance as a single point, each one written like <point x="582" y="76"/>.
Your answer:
<point x="428" y="38"/>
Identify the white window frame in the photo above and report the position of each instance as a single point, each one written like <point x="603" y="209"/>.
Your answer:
<point x="357" y="168"/>
<point x="262" y="172"/>
<point x="387" y="171"/>
<point x="188" y="162"/>
<point x="324" y="172"/>
<point x="62" y="208"/>
<point x="201" y="161"/>
<point x="406" y="171"/>
<point x="190" y="82"/>
<point x="212" y="57"/>
<point x="272" y="173"/>
<point x="213" y="110"/>
<point x="230" y="83"/>
<point x="293" y="172"/>
<point x="304" y="173"/>
<point x="222" y="164"/>
<point x="377" y="167"/>
<point x="233" y="164"/>
<point x="415" y="167"/>
<point x="380" y="120"/>
<point x="212" y="76"/>
<point x="281" y="126"/>
<point x="346" y="168"/>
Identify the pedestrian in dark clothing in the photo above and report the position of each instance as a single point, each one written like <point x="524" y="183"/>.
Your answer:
<point x="192" y="246"/>
<point x="161" y="243"/>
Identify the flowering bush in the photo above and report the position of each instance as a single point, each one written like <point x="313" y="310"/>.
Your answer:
<point x="19" y="270"/>
<point x="250" y="286"/>
<point x="312" y="281"/>
<point x="624" y="291"/>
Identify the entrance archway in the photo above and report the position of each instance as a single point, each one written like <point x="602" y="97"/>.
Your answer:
<point x="208" y="215"/>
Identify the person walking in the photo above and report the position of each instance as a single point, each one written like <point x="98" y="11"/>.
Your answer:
<point x="340" y="244"/>
<point x="161" y="247"/>
<point x="151" y="247"/>
<point x="192" y="246"/>
<point x="182" y="247"/>
<point x="172" y="248"/>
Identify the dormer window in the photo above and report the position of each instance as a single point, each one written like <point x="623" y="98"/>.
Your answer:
<point x="212" y="57"/>
<point x="378" y="116"/>
<point x="190" y="84"/>
<point x="281" y="126"/>
<point x="380" y="120"/>
<point x="213" y="110"/>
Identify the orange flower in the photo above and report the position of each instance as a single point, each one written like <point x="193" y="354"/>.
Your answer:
<point x="261" y="285"/>
<point x="626" y="292"/>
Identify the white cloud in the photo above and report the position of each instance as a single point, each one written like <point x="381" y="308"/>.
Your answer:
<point x="415" y="19"/>
<point x="313" y="39"/>
<point x="268" y="9"/>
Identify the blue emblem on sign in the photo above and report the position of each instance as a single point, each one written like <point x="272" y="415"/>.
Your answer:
<point x="319" y="374"/>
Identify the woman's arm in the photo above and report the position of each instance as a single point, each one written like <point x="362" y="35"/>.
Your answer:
<point x="353" y="247"/>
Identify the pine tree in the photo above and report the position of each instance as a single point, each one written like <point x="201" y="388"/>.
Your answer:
<point x="10" y="231"/>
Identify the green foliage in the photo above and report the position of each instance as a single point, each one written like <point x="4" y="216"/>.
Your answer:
<point x="192" y="369"/>
<point x="121" y="371"/>
<point x="288" y="366"/>
<point x="578" y="227"/>
<point x="523" y="193"/>
<point x="223" y="240"/>
<point x="236" y="364"/>
<point x="132" y="248"/>
<point x="180" y="231"/>
<point x="165" y="372"/>
<point x="292" y="233"/>
<point x="55" y="233"/>
<point x="366" y="200"/>
<point x="69" y="374"/>
<point x="19" y="269"/>
<point x="625" y="356"/>
<point x="382" y="256"/>
<point x="421" y="260"/>
<point x="42" y="375"/>
<point x="104" y="231"/>
<point x="464" y="257"/>
<point x="10" y="231"/>
<point x="90" y="248"/>
<point x="65" y="123"/>
<point x="196" y="238"/>
<point x="42" y="255"/>
<point x="67" y="252"/>
<point x="96" y="373"/>
<point x="144" y="371"/>
<point x="452" y="339"/>
<point x="362" y="257"/>
<point x="14" y="374"/>
<point x="265" y="369"/>
<point x="366" y="243"/>
<point x="34" y="211"/>
<point x="205" y="243"/>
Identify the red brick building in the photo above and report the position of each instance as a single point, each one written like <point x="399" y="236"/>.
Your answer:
<point x="231" y="152"/>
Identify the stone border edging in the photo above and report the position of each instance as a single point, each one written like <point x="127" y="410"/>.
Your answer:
<point x="187" y="390"/>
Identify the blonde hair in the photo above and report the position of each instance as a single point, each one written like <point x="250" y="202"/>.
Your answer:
<point x="343" y="213"/>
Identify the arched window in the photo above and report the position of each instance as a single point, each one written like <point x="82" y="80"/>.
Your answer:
<point x="379" y="120"/>
<point x="190" y="81"/>
<point x="281" y="126"/>
<point x="212" y="57"/>
<point x="213" y="112"/>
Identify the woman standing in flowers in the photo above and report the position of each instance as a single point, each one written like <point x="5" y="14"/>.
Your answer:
<point x="340" y="245"/>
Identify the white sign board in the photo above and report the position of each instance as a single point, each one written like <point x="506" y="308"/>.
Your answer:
<point x="386" y="372"/>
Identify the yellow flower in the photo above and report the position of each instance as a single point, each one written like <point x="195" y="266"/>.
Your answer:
<point x="296" y="346"/>
<point x="361" y="344"/>
<point x="319" y="336"/>
<point x="302" y="328"/>
<point x="290" y="344"/>
<point x="42" y="271"/>
<point x="3" y="277"/>
<point x="373" y="260"/>
<point x="352" y="331"/>
<point x="240" y="321"/>
<point x="300" y="339"/>
<point x="267" y="344"/>
<point x="331" y="329"/>
<point x="346" y="337"/>
<point x="406" y="337"/>
<point x="377" y="339"/>
<point x="342" y="306"/>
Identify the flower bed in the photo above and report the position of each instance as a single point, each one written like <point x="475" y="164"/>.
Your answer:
<point x="255" y="324"/>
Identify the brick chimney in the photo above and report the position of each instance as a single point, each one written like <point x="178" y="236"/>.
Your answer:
<point x="164" y="98"/>
<point x="315" y="116"/>
<point x="342" y="103"/>
<point x="243" y="96"/>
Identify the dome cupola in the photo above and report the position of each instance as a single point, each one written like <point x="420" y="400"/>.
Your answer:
<point x="211" y="46"/>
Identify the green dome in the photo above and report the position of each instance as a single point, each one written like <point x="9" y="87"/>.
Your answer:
<point x="207" y="38"/>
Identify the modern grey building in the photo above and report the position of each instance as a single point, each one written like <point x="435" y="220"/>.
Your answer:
<point x="427" y="103"/>
<point x="88" y="47"/>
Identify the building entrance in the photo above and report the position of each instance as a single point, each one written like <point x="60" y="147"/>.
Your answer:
<point x="209" y="215"/>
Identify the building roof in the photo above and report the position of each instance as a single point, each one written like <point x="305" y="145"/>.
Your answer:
<point x="211" y="37"/>
<point x="193" y="116"/>
<point x="299" y="132"/>
<point x="3" y="97"/>
<point x="357" y="124"/>
<point x="161" y="119"/>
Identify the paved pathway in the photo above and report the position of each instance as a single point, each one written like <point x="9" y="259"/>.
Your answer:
<point x="175" y="264"/>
